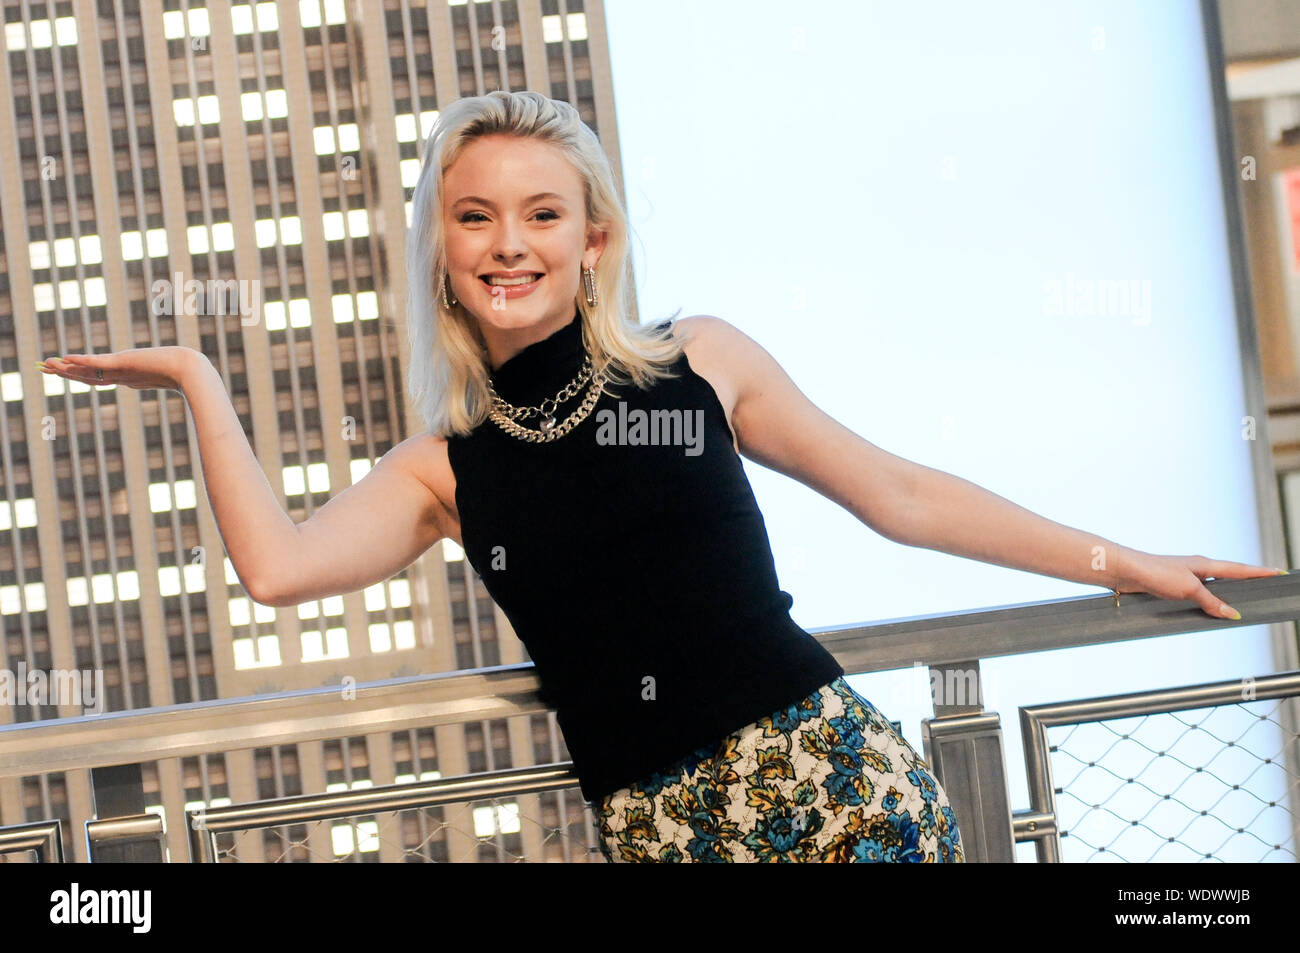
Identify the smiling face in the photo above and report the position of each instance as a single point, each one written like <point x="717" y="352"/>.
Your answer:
<point x="513" y="211"/>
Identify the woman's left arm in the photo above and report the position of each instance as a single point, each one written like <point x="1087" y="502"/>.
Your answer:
<point x="778" y="427"/>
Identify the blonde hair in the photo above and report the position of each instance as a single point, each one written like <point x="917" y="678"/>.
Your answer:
<point x="448" y="365"/>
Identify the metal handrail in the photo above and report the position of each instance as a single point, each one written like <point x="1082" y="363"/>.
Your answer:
<point x="1036" y="719"/>
<point x="220" y="725"/>
<point x="43" y="837"/>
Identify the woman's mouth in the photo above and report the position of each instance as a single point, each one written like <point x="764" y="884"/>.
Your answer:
<point x="512" y="287"/>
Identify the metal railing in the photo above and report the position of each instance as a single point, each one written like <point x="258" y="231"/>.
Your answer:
<point x="963" y="742"/>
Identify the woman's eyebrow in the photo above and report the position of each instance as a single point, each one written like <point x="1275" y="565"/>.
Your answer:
<point x="483" y="201"/>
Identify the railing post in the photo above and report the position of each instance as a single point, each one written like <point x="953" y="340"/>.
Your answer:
<point x="119" y="792"/>
<point x="963" y="744"/>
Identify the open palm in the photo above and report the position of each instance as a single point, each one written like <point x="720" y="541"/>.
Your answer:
<point x="139" y="367"/>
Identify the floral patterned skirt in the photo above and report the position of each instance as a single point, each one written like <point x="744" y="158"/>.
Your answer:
<point x="826" y="780"/>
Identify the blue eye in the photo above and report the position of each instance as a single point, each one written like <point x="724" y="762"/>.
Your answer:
<point x="466" y="216"/>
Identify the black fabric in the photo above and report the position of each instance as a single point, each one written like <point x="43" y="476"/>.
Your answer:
<point x="621" y="562"/>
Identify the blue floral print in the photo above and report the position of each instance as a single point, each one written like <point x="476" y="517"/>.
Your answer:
<point x="825" y="780"/>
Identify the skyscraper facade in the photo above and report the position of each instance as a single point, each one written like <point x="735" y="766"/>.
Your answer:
<point x="237" y="178"/>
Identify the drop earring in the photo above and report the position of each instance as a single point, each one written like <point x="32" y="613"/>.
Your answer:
<point x="445" y="287"/>
<point x="589" y="285"/>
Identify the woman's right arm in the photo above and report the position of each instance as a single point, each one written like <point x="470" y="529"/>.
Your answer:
<point x="363" y="535"/>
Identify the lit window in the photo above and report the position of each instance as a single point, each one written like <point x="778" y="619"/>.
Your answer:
<point x="128" y="584"/>
<point x="367" y="305"/>
<point x="69" y="294"/>
<point x="183" y="110"/>
<point x="490" y="819"/>
<point x="101" y="587"/>
<point x="335" y="12"/>
<point x="293" y="481"/>
<point x="251" y="105"/>
<point x="264" y="228"/>
<point x="291" y="230"/>
<point x="199" y="25"/>
<point x="406" y="128"/>
<point x="194" y="577"/>
<point x="132" y="246"/>
<point x="41" y="36"/>
<point x="333" y="223"/>
<point x="410" y="172"/>
<point x="333" y="605"/>
<point x="198" y="239"/>
<point x="238" y="610"/>
<point x="266" y="18"/>
<point x="169" y="581"/>
<point x="25" y="509"/>
<point x="379" y="638"/>
<point x="268" y="653"/>
<point x="232" y="577"/>
<point x="336" y="641"/>
<point x="91" y="253"/>
<point x="400" y="590"/>
<point x="405" y="634"/>
<point x="451" y="551"/>
<point x="223" y="236"/>
<point x="173" y="24"/>
<point x="157" y="238"/>
<point x="15" y="37"/>
<point x="273" y="315"/>
<point x="318" y="477"/>
<point x="96" y="294"/>
<point x="209" y="111"/>
<point x="342" y="308"/>
<point x="360" y="467"/>
<point x="78" y="592"/>
<point x="35" y="592"/>
<point x="410" y="210"/>
<point x="241" y="19"/>
<point x="38" y="253"/>
<point x="184" y="491"/>
<point x="160" y="497"/>
<point x="364" y="840"/>
<point x="11" y="388"/>
<point x="349" y="138"/>
<point x="300" y="317"/>
<point x="10" y="603"/>
<point x="324" y="138"/>
<point x="358" y="223"/>
<point x="277" y="103"/>
<point x="427" y="119"/>
<point x="65" y="252"/>
<point x="65" y="31"/>
<point x="309" y="12"/>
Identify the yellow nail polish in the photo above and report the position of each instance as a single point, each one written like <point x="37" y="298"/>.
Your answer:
<point x="1283" y="572"/>
<point x="1236" y="616"/>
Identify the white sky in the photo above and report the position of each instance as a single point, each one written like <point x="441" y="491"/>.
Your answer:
<point x="882" y="195"/>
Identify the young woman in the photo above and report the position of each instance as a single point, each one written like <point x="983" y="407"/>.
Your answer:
<point x="590" y="468"/>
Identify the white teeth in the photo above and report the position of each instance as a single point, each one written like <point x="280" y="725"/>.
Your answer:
<point x="521" y="280"/>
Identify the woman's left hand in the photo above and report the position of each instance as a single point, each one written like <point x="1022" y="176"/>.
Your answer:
<point x="1180" y="577"/>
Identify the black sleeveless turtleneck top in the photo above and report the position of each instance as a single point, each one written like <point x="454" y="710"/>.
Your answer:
<point x="632" y="560"/>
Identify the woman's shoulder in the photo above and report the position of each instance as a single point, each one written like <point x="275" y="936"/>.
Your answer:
<point x="705" y="341"/>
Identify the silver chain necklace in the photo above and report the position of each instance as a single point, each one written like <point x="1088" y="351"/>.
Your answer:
<point x="507" y="416"/>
